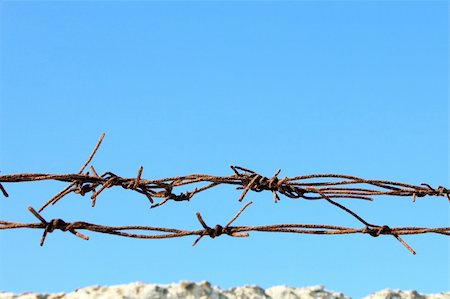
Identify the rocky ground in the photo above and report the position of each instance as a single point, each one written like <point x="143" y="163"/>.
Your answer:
<point x="204" y="290"/>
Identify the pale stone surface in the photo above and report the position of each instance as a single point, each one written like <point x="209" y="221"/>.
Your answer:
<point x="204" y="290"/>
<point x="303" y="293"/>
<point x="397" y="294"/>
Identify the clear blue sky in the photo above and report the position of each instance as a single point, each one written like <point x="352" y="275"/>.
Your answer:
<point x="182" y="87"/>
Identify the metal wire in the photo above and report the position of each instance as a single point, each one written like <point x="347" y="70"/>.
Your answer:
<point x="328" y="187"/>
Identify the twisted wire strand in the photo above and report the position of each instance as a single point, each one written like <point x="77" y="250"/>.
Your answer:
<point x="216" y="231"/>
<point x="164" y="188"/>
<point x="333" y="186"/>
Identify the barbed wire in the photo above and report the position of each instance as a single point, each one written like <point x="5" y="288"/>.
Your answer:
<point x="328" y="187"/>
<point x="217" y="230"/>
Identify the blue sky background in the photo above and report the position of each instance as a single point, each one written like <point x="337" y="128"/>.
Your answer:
<point x="358" y="88"/>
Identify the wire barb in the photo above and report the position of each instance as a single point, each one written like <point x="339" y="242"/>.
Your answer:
<point x="5" y="194"/>
<point x="99" y="142"/>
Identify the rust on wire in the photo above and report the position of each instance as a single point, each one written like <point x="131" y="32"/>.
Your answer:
<point x="217" y="230"/>
<point x="308" y="187"/>
<point x="328" y="187"/>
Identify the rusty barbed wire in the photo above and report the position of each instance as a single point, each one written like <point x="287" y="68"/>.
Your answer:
<point x="217" y="230"/>
<point x="328" y="187"/>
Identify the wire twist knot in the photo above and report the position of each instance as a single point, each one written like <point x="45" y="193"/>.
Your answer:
<point x="439" y="191"/>
<point x="57" y="224"/>
<point x="256" y="182"/>
<point x="60" y="224"/>
<point x="377" y="231"/>
<point x="219" y="230"/>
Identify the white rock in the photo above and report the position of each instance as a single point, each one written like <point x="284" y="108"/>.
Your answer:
<point x="204" y="290"/>
<point x="314" y="292"/>
<point x="397" y="294"/>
